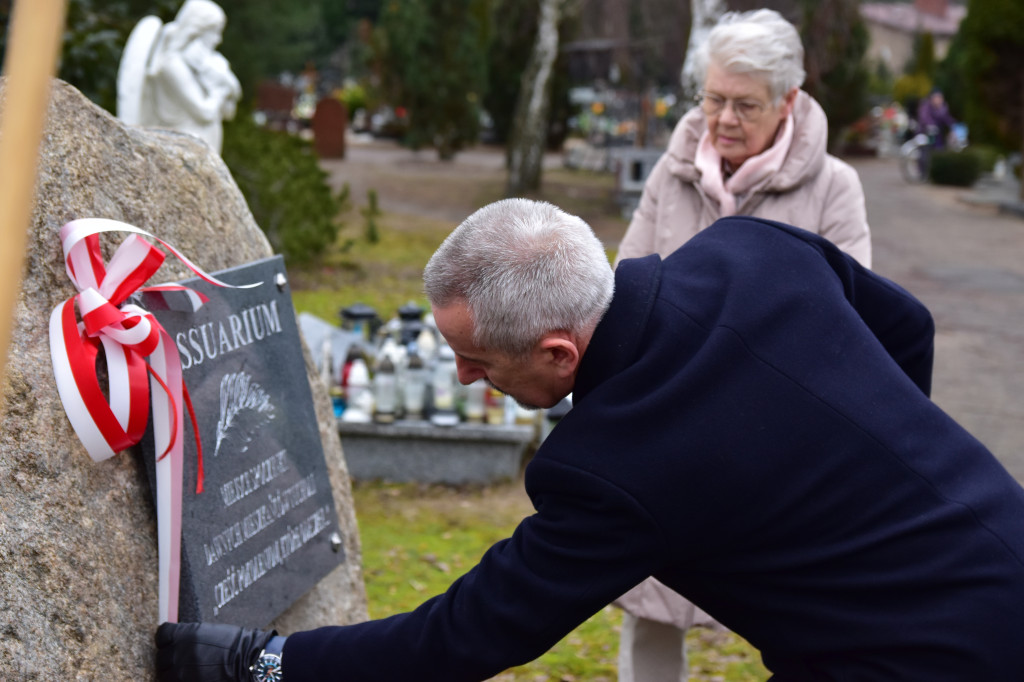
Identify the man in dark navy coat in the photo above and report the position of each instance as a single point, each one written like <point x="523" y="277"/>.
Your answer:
<point x="751" y="426"/>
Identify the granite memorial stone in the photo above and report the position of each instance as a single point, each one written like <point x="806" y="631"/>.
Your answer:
<point x="78" y="545"/>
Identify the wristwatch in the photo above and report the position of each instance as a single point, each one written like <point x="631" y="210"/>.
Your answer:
<point x="267" y="667"/>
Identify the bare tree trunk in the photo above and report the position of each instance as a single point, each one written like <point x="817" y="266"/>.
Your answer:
<point x="529" y="129"/>
<point x="705" y="15"/>
<point x="1021" y="178"/>
<point x="642" y="120"/>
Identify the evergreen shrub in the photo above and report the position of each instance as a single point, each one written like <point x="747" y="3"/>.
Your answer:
<point x="987" y="156"/>
<point x="960" y="169"/>
<point x="286" y="189"/>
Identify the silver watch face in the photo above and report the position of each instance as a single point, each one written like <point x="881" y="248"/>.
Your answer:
<point x="268" y="668"/>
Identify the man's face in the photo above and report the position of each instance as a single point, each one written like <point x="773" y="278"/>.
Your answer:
<point x="532" y="381"/>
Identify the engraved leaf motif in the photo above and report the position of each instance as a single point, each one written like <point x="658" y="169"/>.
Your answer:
<point x="244" y="407"/>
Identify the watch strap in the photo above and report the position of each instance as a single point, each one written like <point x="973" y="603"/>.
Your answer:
<point x="275" y="645"/>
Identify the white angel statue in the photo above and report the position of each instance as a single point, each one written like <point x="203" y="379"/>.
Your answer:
<point x="171" y="75"/>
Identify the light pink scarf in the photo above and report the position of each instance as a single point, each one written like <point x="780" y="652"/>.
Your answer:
<point x="751" y="173"/>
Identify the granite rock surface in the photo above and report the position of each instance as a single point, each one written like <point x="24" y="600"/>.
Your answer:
<point x="78" y="546"/>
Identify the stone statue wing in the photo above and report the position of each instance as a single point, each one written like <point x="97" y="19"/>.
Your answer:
<point x="131" y="74"/>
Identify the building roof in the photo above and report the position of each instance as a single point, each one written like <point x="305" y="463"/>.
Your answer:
<point x="909" y="19"/>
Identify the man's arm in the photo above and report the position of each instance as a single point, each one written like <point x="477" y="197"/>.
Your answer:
<point x="589" y="543"/>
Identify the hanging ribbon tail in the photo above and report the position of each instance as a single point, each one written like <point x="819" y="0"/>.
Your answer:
<point x="173" y="415"/>
<point x="172" y="411"/>
<point x="168" y="438"/>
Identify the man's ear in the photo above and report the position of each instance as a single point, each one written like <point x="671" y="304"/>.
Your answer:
<point x="561" y="351"/>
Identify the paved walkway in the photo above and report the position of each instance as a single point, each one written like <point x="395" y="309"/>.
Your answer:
<point x="964" y="259"/>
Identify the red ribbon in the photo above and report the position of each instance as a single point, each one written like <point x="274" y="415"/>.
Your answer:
<point x="127" y="335"/>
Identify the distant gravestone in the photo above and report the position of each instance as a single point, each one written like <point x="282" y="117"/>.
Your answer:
<point x="265" y="530"/>
<point x="330" y="120"/>
<point x="275" y="101"/>
<point x="78" y="546"/>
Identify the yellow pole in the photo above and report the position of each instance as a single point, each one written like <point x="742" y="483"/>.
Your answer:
<point x="33" y="43"/>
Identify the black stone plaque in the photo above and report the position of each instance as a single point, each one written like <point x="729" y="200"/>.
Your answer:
<point x="265" y="529"/>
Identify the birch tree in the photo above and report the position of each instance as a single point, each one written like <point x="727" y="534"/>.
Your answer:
<point x="529" y="130"/>
<point x="705" y="14"/>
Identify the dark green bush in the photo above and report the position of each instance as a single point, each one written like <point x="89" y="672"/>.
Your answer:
<point x="960" y="169"/>
<point x="285" y="187"/>
<point x="987" y="156"/>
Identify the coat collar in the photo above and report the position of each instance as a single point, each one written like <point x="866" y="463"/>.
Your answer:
<point x="617" y="337"/>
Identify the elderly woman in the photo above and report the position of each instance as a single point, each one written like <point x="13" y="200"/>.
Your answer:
<point x="755" y="146"/>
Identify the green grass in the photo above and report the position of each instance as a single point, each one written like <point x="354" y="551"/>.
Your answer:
<point x="386" y="274"/>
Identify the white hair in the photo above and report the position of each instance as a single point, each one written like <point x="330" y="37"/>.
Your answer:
<point x="524" y="268"/>
<point x="760" y="43"/>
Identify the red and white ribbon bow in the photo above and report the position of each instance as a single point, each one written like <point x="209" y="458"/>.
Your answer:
<point x="128" y="335"/>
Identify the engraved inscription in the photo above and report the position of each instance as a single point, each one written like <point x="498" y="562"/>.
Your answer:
<point x="251" y="480"/>
<point x="239" y="578"/>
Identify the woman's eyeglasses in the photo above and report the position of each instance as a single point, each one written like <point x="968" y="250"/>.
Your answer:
<point x="748" y="110"/>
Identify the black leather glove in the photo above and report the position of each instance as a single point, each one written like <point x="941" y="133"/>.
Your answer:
<point x="207" y="652"/>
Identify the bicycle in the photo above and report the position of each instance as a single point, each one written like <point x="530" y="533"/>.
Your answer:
<point x="916" y="153"/>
